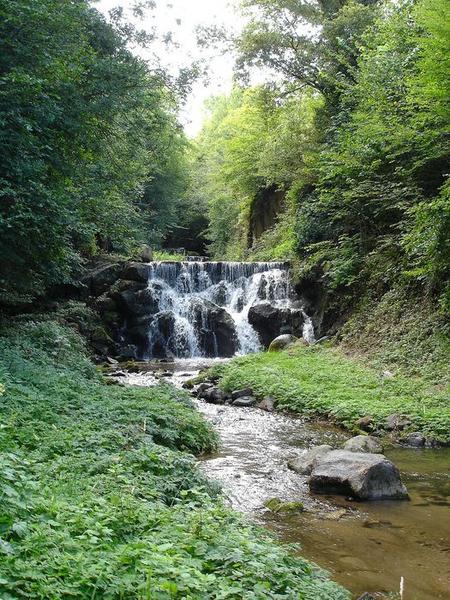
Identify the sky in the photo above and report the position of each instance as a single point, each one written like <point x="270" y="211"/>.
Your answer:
<point x="182" y="17"/>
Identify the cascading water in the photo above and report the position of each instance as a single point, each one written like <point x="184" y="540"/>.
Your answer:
<point x="202" y="308"/>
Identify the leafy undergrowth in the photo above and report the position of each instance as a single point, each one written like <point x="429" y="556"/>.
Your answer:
<point x="401" y="332"/>
<point x="321" y="380"/>
<point x="100" y="497"/>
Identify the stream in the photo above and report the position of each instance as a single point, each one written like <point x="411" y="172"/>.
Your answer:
<point x="365" y="546"/>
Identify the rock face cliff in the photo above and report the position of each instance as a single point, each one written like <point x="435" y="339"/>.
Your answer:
<point x="265" y="208"/>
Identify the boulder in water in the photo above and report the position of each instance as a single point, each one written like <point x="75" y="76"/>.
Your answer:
<point x="415" y="440"/>
<point x="360" y="475"/>
<point x="214" y="395"/>
<point x="303" y="465"/>
<point x="239" y="393"/>
<point x="268" y="404"/>
<point x="282" y="342"/>
<point x="364" y="443"/>
<point x="202" y="387"/>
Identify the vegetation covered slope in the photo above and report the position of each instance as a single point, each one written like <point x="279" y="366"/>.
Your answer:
<point x="100" y="497"/>
<point x="353" y="131"/>
<point x="91" y="152"/>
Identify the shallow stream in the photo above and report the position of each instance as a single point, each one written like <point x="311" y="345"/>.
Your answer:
<point x="365" y="546"/>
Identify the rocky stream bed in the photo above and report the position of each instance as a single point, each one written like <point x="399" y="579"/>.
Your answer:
<point x="367" y="546"/>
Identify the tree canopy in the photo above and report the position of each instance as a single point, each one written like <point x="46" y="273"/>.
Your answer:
<point x="353" y="130"/>
<point x="91" y="150"/>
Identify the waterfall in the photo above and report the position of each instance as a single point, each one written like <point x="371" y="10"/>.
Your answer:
<point x="206" y="308"/>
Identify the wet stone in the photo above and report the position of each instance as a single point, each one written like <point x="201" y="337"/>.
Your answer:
<point x="303" y="465"/>
<point x="245" y="401"/>
<point x="359" y="475"/>
<point x="268" y="404"/>
<point x="215" y="395"/>
<point x="415" y="440"/>
<point x="240" y="393"/>
<point x="363" y="443"/>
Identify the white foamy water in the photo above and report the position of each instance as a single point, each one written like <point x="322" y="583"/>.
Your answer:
<point x="191" y="296"/>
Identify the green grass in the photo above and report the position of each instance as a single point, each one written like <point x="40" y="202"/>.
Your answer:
<point x="101" y="498"/>
<point x="163" y="255"/>
<point x="320" y="380"/>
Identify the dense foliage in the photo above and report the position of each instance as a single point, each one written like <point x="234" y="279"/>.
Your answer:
<point x="354" y="133"/>
<point x="91" y="155"/>
<point x="99" y="497"/>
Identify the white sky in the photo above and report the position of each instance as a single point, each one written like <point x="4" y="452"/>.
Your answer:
<point x="182" y="17"/>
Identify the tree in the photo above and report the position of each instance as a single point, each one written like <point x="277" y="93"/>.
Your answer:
<point x="313" y="44"/>
<point x="87" y="127"/>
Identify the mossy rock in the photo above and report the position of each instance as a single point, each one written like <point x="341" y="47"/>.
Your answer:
<point x="277" y="506"/>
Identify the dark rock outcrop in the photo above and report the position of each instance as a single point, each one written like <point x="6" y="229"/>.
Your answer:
<point x="269" y="321"/>
<point x="99" y="280"/>
<point x="216" y="329"/>
<point x="137" y="301"/>
<point x="135" y="271"/>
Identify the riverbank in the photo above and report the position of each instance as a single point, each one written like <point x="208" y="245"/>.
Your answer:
<point x="321" y="381"/>
<point x="101" y="496"/>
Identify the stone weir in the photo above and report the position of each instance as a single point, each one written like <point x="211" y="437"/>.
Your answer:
<point x="198" y="308"/>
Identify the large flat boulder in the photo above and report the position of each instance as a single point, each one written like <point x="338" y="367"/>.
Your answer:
<point x="360" y="475"/>
<point x="303" y="465"/>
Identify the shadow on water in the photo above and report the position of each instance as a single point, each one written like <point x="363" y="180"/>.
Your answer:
<point x="365" y="546"/>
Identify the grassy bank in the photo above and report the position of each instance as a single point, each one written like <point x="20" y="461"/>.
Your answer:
<point x="405" y="333"/>
<point x="321" y="380"/>
<point x="100" y="497"/>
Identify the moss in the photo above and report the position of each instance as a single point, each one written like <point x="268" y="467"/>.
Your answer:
<point x="277" y="506"/>
<point x="402" y="332"/>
